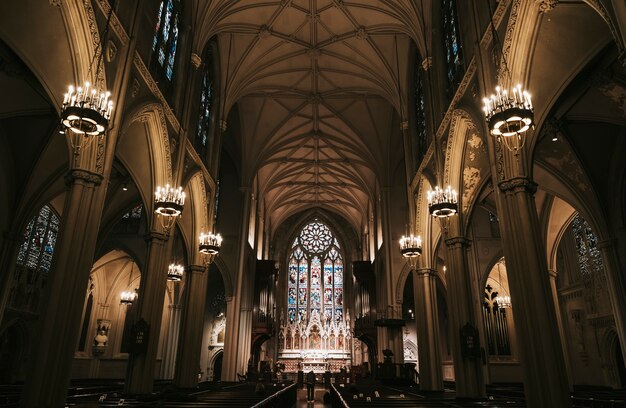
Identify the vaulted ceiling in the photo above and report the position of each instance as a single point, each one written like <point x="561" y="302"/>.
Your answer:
<point x="319" y="87"/>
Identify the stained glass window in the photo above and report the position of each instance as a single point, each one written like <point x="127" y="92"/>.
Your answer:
<point x="166" y="38"/>
<point x="589" y="256"/>
<point x="40" y="238"/>
<point x="420" y="110"/>
<point x="206" y="100"/>
<point x="315" y="275"/>
<point x="452" y="41"/>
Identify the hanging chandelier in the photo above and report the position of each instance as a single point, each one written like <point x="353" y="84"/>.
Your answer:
<point x="86" y="109"/>
<point x="210" y="245"/>
<point x="128" y="297"/>
<point x="411" y="248"/>
<point x="504" y="302"/>
<point x="509" y="115"/>
<point x="443" y="203"/>
<point x="509" y="112"/>
<point x="168" y="205"/>
<point x="175" y="272"/>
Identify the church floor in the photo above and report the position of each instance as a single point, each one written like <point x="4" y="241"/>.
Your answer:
<point x="319" y="399"/>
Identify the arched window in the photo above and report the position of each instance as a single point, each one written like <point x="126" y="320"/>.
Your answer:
<point x="452" y="42"/>
<point x="589" y="256"/>
<point x="165" y="39"/>
<point x="206" y="105"/>
<point x="40" y="238"/>
<point x="315" y="275"/>
<point x="421" y="144"/>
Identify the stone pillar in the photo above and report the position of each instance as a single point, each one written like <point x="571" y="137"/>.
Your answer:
<point x="427" y="320"/>
<point x="238" y="330"/>
<point x="171" y="346"/>
<point x="141" y="367"/>
<point x="545" y="375"/>
<point x="616" y="286"/>
<point x="65" y="296"/>
<point x="468" y="371"/>
<point x="190" y="340"/>
<point x="557" y="309"/>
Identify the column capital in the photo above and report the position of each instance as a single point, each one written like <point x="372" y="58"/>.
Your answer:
<point x="430" y="272"/>
<point x="195" y="269"/>
<point x="517" y="185"/>
<point x="196" y="60"/>
<point x="156" y="236"/>
<point x="83" y="175"/>
<point x="458" y="242"/>
<point x="553" y="274"/>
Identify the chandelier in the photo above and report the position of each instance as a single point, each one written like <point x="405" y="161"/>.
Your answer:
<point x="509" y="115"/>
<point x="128" y="297"/>
<point x="443" y="203"/>
<point x="168" y="204"/>
<point x="504" y="302"/>
<point x="210" y="245"/>
<point x="411" y="248"/>
<point x="509" y="112"/>
<point x="86" y="109"/>
<point x="175" y="272"/>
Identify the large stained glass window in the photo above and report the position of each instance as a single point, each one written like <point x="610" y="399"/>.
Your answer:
<point x="40" y="238"/>
<point x="452" y="41"/>
<point x="206" y="106"/>
<point x="420" y="109"/>
<point x="165" y="39"/>
<point x="315" y="281"/>
<point x="589" y="256"/>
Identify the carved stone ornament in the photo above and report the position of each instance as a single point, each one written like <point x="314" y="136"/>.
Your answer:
<point x="427" y="63"/>
<point x="195" y="60"/>
<point x="55" y="3"/>
<point x="458" y="241"/>
<point x="83" y="175"/>
<point x="547" y="5"/>
<point x="111" y="51"/>
<point x="101" y="340"/>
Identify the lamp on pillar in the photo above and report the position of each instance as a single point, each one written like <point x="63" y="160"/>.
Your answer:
<point x="509" y="113"/>
<point x="87" y="109"/>
<point x="210" y="245"/>
<point x="175" y="272"/>
<point x="168" y="205"/>
<point x="411" y="248"/>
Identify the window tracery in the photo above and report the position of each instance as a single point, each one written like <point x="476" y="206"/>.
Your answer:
<point x="452" y="41"/>
<point x="420" y="109"/>
<point x="40" y="239"/>
<point x="206" y="104"/>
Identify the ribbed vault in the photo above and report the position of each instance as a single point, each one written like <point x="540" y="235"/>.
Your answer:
<point x="317" y="84"/>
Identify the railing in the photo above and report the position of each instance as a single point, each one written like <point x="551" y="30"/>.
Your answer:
<point x="338" y="400"/>
<point x="283" y="398"/>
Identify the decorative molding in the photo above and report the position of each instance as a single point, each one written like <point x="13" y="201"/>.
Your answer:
<point x="115" y="23"/>
<point x="467" y="78"/>
<point x="143" y="115"/>
<point x="95" y="38"/>
<point x="508" y="37"/>
<point x="426" y="272"/>
<point x="152" y="85"/>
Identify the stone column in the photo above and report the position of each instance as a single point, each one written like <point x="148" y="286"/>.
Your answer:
<point x="616" y="286"/>
<point x="468" y="371"/>
<point x="545" y="375"/>
<point x="169" y="356"/>
<point x="190" y="340"/>
<point x="238" y="332"/>
<point x="427" y="320"/>
<point x="53" y="352"/>
<point x="141" y="367"/>
<point x="557" y="309"/>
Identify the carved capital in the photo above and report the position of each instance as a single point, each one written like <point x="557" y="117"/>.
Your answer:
<point x="156" y="237"/>
<point x="404" y="125"/>
<point x="195" y="269"/>
<point x="83" y="175"/>
<point x="427" y="63"/>
<point x="458" y="242"/>
<point x="223" y="125"/>
<point x="195" y="60"/>
<point x="553" y="274"/>
<point x="426" y="272"/>
<point x="517" y="185"/>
